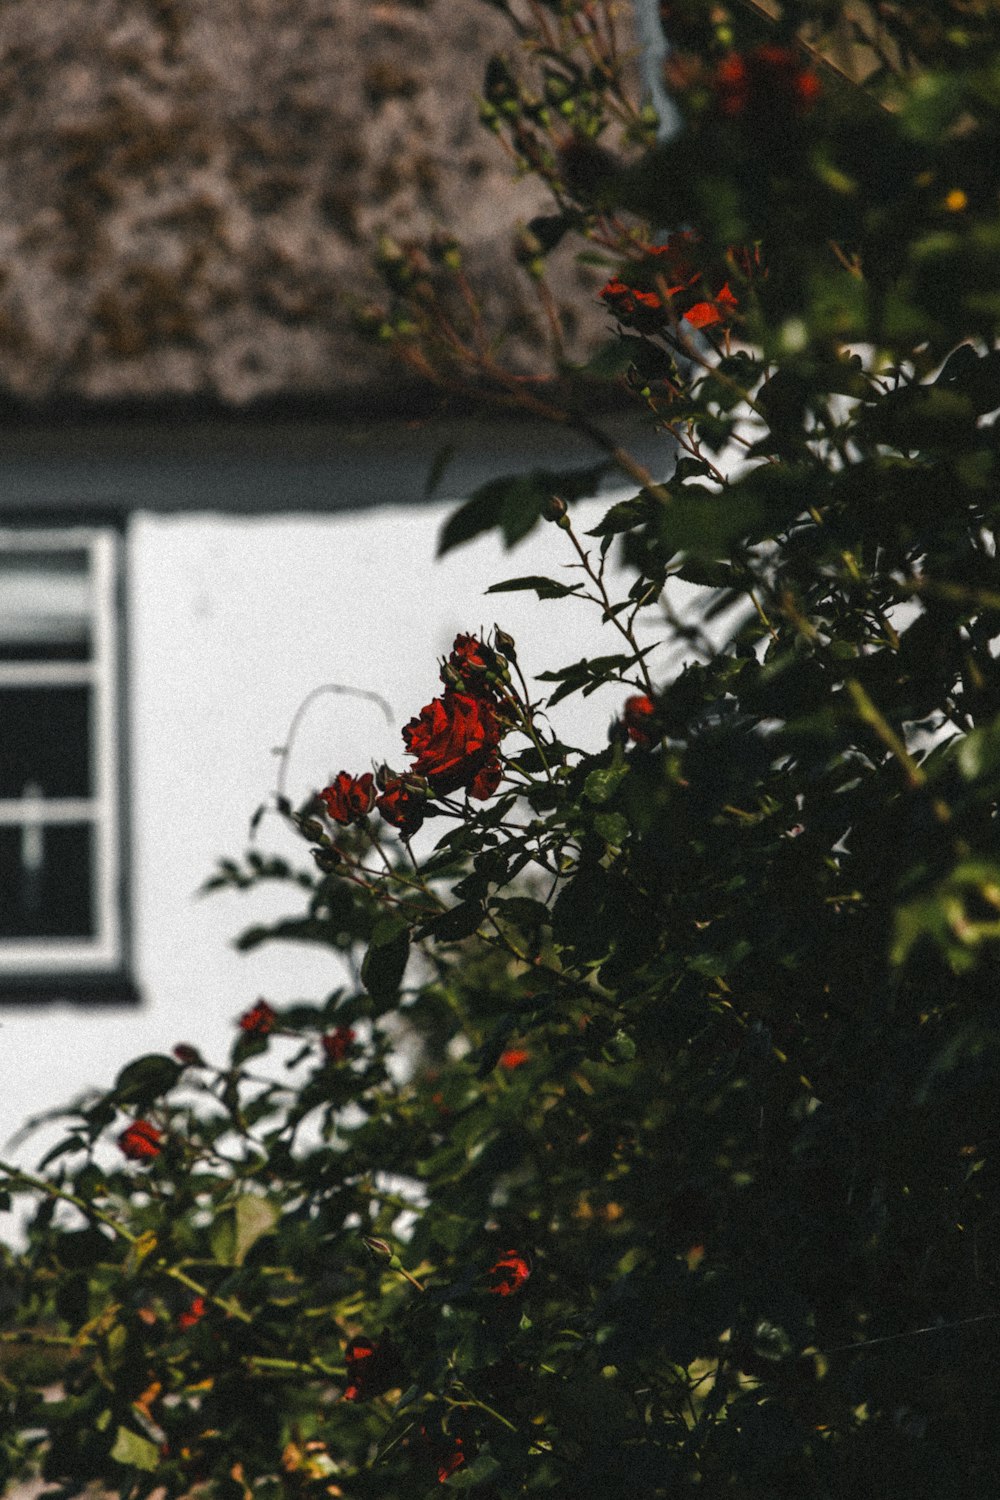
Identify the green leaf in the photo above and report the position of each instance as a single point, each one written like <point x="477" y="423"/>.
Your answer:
<point x="147" y="1079"/>
<point x="612" y="827"/>
<point x="135" y="1452"/>
<point x="453" y="925"/>
<point x="239" y="1226"/>
<point x="545" y="588"/>
<point x="385" y="962"/>
<point x="601" y="785"/>
<point x="515" y="502"/>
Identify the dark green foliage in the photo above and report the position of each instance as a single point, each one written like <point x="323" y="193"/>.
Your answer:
<point x="688" y="1179"/>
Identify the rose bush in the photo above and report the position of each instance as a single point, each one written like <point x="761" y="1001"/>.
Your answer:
<point x="645" y="1140"/>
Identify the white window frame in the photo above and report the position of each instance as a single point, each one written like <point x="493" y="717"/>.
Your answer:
<point x="103" y="952"/>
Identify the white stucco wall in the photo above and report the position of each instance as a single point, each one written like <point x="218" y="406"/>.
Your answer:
<point x="231" y="622"/>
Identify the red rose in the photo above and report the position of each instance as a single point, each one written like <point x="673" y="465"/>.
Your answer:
<point x="638" y="714"/>
<point x="509" y="1274"/>
<point x="336" y="1043"/>
<point x="469" y="661"/>
<point x="371" y="1369"/>
<point x="140" y="1141"/>
<point x="349" y="798"/>
<point x="770" y="82"/>
<point x="453" y="740"/>
<point x="514" y="1057"/>
<point x="258" y="1020"/>
<point x="401" y="804"/>
<point x="193" y="1315"/>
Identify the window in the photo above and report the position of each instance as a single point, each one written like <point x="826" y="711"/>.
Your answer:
<point x="60" y="823"/>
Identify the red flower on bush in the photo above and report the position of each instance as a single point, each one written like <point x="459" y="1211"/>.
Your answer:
<point x="470" y="660"/>
<point x="371" y="1369"/>
<point x="444" y="1450"/>
<point x="348" y="798"/>
<point x="448" y="1462"/>
<point x="454" y="740"/>
<point x="769" y="82"/>
<point x="337" y="1043"/>
<point x="258" y="1020"/>
<point x="509" y="1274"/>
<point x="401" y="804"/>
<point x="193" y="1314"/>
<point x="701" y="297"/>
<point x="140" y="1141"/>
<point x="638" y="713"/>
<point x="514" y="1057"/>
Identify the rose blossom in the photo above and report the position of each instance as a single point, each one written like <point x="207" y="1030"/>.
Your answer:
<point x="193" y="1314"/>
<point x="348" y="798"/>
<point x="453" y="740"/>
<point x="638" y="714"/>
<point x="140" y="1141"/>
<point x="336" y="1043"/>
<point x="509" y="1273"/>
<point x="258" y="1020"/>
<point x="769" y="82"/>
<point x="401" y="804"/>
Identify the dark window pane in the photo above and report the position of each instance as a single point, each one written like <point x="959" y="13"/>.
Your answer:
<point x="45" y="742"/>
<point x="46" y="881"/>
<point x="46" y="603"/>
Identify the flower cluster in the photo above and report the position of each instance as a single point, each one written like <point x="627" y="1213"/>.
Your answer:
<point x="699" y="296"/>
<point x="453" y="742"/>
<point x="769" y="82"/>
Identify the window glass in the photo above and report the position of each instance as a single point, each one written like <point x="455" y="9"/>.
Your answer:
<point x="45" y="741"/>
<point x="46" y="605"/>
<point x="46" y="881"/>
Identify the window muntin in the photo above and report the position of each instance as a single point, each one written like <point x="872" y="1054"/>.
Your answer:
<point x="59" y="834"/>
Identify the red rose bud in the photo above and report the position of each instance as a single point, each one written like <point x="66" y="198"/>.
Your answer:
<point x="258" y="1020"/>
<point x="639" y="713"/>
<point x="401" y="805"/>
<point x="445" y="1450"/>
<point x="509" y="1274"/>
<point x="193" y="1314"/>
<point x="188" y="1055"/>
<point x="348" y="799"/>
<point x="514" y="1057"/>
<point x="140" y="1141"/>
<point x="769" y="83"/>
<point x="336" y="1044"/>
<point x="453" y="739"/>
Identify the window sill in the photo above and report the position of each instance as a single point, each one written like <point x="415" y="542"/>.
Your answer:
<point x="72" y="989"/>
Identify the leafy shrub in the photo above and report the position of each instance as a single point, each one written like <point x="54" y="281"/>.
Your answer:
<point x="652" y="1145"/>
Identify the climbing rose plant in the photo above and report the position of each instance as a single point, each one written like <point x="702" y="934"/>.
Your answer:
<point x="645" y="1142"/>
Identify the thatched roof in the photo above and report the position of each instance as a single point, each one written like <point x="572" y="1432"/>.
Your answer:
<point x="189" y="190"/>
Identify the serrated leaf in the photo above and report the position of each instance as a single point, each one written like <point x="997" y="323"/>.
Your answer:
<point x="612" y="828"/>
